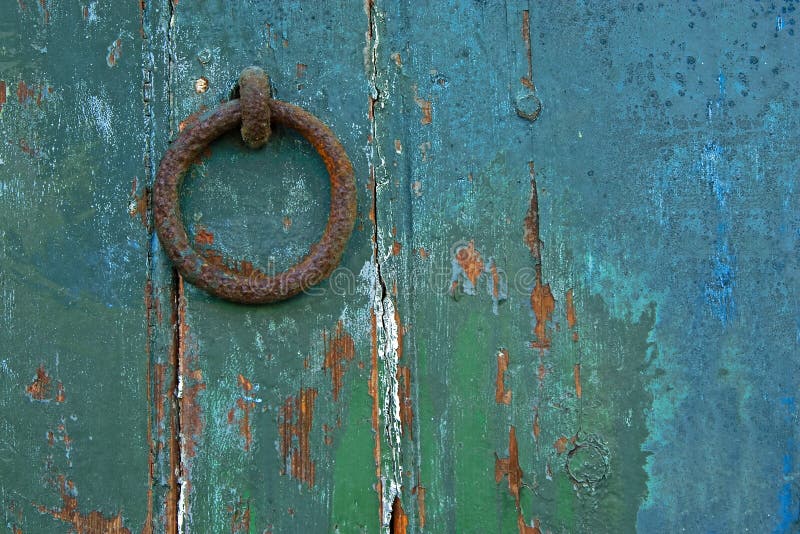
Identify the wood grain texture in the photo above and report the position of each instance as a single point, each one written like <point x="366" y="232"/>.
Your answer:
<point x="73" y="403"/>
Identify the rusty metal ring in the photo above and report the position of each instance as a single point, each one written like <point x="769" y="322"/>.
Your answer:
<point x="245" y="284"/>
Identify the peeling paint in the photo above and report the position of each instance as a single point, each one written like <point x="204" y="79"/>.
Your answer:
<point x="501" y="394"/>
<point x="245" y="405"/>
<point x="296" y="417"/>
<point x="425" y="107"/>
<point x="339" y="352"/>
<point x="509" y="467"/>
<point x="399" y="524"/>
<point x="114" y="52"/>
<point x="92" y="523"/>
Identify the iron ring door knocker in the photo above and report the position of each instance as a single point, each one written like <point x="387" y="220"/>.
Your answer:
<point x="254" y="110"/>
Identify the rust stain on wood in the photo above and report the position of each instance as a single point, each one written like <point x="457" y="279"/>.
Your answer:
<point x="399" y="523"/>
<point x="339" y="351"/>
<point x="542" y="300"/>
<point x="419" y="491"/>
<point x="501" y="394"/>
<point x="530" y="225"/>
<point x="295" y="426"/>
<point x="240" y="517"/>
<point x="536" y="427"/>
<point x="425" y="106"/>
<point x="301" y="70"/>
<point x="406" y="406"/>
<point x="245" y="404"/>
<point x="561" y="445"/>
<point x="114" y="52"/>
<point x="2" y="94"/>
<point x="543" y="305"/>
<point x="577" y="372"/>
<point x="526" y="529"/>
<point x="91" y="523"/>
<point x="509" y="467"/>
<point x="572" y="320"/>
<point x="41" y="386"/>
<point x="139" y="202"/>
<point x="527" y="80"/>
<point x="470" y="261"/>
<point x="203" y="237"/>
<point x="24" y="92"/>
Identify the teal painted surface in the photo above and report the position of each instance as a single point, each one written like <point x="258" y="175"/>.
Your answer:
<point x="73" y="401"/>
<point x="656" y="395"/>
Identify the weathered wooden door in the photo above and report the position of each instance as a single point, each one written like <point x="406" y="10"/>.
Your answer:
<point x="570" y="304"/>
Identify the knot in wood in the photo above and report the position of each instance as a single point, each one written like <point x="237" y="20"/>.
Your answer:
<point x="254" y="95"/>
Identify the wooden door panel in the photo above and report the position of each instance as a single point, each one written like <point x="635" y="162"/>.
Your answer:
<point x="276" y="418"/>
<point x="73" y="389"/>
<point x="573" y="318"/>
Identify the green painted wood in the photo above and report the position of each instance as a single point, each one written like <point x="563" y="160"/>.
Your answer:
<point x="269" y="442"/>
<point x="73" y="395"/>
<point x="613" y="353"/>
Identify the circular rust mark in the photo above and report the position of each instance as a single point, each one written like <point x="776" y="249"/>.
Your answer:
<point x="588" y="462"/>
<point x="249" y="285"/>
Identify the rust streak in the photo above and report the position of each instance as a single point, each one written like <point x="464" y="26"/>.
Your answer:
<point x="2" y="94"/>
<point x="399" y="523"/>
<point x="525" y="529"/>
<point x="91" y="523"/>
<point x="114" y="53"/>
<point x="60" y="393"/>
<point x="339" y="351"/>
<point x="240" y="518"/>
<point x="419" y="491"/>
<point x="536" y="427"/>
<point x="577" y="372"/>
<point x="561" y="445"/>
<point x="189" y="427"/>
<point x="509" y="467"/>
<point x="501" y="394"/>
<point x="294" y="427"/>
<point x="531" y="222"/>
<point x="301" y="70"/>
<point x="139" y="203"/>
<point x="543" y="305"/>
<point x="245" y="405"/>
<point x="406" y="406"/>
<point x="571" y="318"/>
<point x="527" y="80"/>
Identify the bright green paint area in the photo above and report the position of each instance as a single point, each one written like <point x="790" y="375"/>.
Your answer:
<point x="354" y="499"/>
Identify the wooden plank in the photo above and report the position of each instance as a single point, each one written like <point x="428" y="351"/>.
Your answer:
<point x="275" y="414"/>
<point x="614" y="387"/>
<point x="73" y="396"/>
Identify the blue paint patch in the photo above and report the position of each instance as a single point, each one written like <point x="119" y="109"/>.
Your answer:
<point x="788" y="512"/>
<point x="719" y="290"/>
